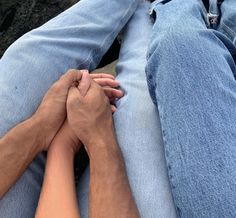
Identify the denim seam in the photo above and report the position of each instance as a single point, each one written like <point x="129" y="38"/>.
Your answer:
<point x="228" y="30"/>
<point x="165" y="143"/>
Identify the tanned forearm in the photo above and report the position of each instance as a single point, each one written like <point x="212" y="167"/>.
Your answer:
<point x="17" y="149"/>
<point x="90" y="117"/>
<point x="110" y="193"/>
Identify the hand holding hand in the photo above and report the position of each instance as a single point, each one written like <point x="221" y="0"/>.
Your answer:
<point x="89" y="113"/>
<point x="52" y="111"/>
<point x="66" y="137"/>
<point x="109" y="86"/>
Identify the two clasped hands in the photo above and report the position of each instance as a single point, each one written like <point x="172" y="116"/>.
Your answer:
<point x="77" y="110"/>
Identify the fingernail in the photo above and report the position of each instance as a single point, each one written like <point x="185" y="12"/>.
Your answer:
<point x="84" y="83"/>
<point x="84" y="71"/>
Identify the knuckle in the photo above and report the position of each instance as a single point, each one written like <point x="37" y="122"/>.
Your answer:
<point x="71" y="71"/>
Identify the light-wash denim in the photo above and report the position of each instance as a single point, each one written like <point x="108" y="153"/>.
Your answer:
<point x="78" y="38"/>
<point x="191" y="76"/>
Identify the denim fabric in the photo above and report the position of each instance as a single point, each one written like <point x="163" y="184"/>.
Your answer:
<point x="78" y="38"/>
<point x="138" y="126"/>
<point x="191" y="78"/>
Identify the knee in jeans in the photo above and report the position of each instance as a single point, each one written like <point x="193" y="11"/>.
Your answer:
<point x="177" y="48"/>
<point x="19" y="46"/>
<point x="180" y="40"/>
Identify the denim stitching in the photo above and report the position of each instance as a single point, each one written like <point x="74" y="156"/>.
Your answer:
<point x="231" y="32"/>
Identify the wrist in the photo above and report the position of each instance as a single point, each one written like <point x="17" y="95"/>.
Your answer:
<point x="103" y="150"/>
<point x="66" y="151"/>
<point x="106" y="162"/>
<point x="98" y="141"/>
<point x="66" y="145"/>
<point x="102" y="137"/>
<point x="36" y="127"/>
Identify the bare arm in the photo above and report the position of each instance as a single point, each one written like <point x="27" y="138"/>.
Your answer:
<point x="91" y="119"/>
<point x="58" y="195"/>
<point x="17" y="150"/>
<point x="19" y="146"/>
<point x="108" y="181"/>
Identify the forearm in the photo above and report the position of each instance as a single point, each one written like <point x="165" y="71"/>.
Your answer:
<point x="58" y="195"/>
<point x="17" y="149"/>
<point x="110" y="193"/>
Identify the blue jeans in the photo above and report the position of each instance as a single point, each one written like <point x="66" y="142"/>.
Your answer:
<point x="191" y="77"/>
<point x="78" y="38"/>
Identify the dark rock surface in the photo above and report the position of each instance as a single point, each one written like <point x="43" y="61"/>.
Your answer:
<point x="19" y="16"/>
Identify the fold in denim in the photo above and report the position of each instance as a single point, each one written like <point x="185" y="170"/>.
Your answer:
<point x="78" y="38"/>
<point x="137" y="125"/>
<point x="191" y="79"/>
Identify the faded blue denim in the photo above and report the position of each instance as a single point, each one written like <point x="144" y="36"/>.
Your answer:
<point x="78" y="38"/>
<point x="191" y="77"/>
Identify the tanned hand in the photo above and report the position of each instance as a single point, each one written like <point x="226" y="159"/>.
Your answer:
<point x="90" y="117"/>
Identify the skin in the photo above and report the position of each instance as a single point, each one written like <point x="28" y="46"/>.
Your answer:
<point x="59" y="173"/>
<point x="108" y="180"/>
<point x="21" y="144"/>
<point x="58" y="189"/>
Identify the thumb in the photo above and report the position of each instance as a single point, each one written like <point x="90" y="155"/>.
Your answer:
<point x="70" y="77"/>
<point x="85" y="83"/>
<point x="74" y="97"/>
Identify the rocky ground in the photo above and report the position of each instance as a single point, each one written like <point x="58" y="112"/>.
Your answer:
<point x="19" y="16"/>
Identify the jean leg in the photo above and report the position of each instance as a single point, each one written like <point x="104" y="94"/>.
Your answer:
<point x="227" y="22"/>
<point x="190" y="72"/>
<point x="138" y="126"/>
<point x="77" y="38"/>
